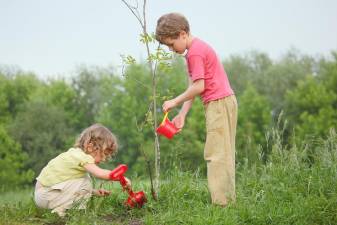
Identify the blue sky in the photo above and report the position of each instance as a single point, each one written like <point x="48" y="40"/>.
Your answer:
<point x="52" y="38"/>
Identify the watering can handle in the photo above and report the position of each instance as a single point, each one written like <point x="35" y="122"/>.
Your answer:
<point x="165" y="116"/>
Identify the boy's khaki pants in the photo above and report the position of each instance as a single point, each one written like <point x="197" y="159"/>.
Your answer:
<point x="219" y="152"/>
<point x="65" y="195"/>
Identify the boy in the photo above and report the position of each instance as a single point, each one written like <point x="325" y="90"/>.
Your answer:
<point x="208" y="79"/>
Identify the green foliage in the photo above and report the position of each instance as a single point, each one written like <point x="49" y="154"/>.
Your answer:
<point x="129" y="60"/>
<point x="328" y="74"/>
<point x="125" y="109"/>
<point x="42" y="132"/>
<point x="15" y="90"/>
<point x="282" y="77"/>
<point x="90" y="97"/>
<point x="310" y="108"/>
<point x="59" y="94"/>
<point x="254" y="119"/>
<point x="270" y="79"/>
<point x="245" y="70"/>
<point x="147" y="38"/>
<point x="12" y="161"/>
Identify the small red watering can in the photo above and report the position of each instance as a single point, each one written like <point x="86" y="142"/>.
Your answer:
<point x="167" y="128"/>
<point x="135" y="199"/>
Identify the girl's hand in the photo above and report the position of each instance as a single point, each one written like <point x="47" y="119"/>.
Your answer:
<point x="179" y="121"/>
<point x="101" y="192"/>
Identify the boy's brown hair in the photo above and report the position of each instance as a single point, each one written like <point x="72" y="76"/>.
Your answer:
<point x="170" y="25"/>
<point x="101" y="139"/>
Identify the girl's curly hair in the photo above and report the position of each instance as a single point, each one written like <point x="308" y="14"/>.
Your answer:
<point x="101" y="139"/>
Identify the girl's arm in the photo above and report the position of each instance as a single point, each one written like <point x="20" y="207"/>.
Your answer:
<point x="102" y="173"/>
<point x="101" y="192"/>
<point x="97" y="171"/>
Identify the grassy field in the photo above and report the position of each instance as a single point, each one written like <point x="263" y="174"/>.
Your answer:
<point x="296" y="186"/>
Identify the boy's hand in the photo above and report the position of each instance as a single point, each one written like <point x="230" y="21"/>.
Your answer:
<point x="169" y="105"/>
<point x="101" y="192"/>
<point x="179" y="121"/>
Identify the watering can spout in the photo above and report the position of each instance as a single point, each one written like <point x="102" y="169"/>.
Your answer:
<point x="135" y="199"/>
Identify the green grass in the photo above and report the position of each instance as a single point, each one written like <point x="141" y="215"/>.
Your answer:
<point x="274" y="195"/>
<point x="15" y="196"/>
<point x="288" y="189"/>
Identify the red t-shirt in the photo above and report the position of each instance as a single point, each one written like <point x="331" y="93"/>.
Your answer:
<point x="203" y="63"/>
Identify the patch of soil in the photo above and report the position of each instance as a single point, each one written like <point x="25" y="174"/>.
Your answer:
<point x="112" y="218"/>
<point x="56" y="223"/>
<point x="43" y="221"/>
<point x="136" y="222"/>
<point x="119" y="220"/>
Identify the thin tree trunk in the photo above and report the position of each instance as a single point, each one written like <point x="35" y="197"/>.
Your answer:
<point x="154" y="86"/>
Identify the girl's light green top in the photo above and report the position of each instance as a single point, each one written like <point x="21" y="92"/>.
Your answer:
<point x="66" y="166"/>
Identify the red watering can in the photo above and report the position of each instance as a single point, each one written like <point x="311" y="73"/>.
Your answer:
<point x="135" y="199"/>
<point x="167" y="128"/>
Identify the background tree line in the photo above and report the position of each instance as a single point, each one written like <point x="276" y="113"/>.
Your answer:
<point x="39" y="119"/>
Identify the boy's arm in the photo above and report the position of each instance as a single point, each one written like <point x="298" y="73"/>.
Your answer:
<point x="186" y="107"/>
<point x="179" y="120"/>
<point x="195" y="88"/>
<point x="187" y="104"/>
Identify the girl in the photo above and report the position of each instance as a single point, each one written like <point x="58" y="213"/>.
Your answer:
<point x="65" y="180"/>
